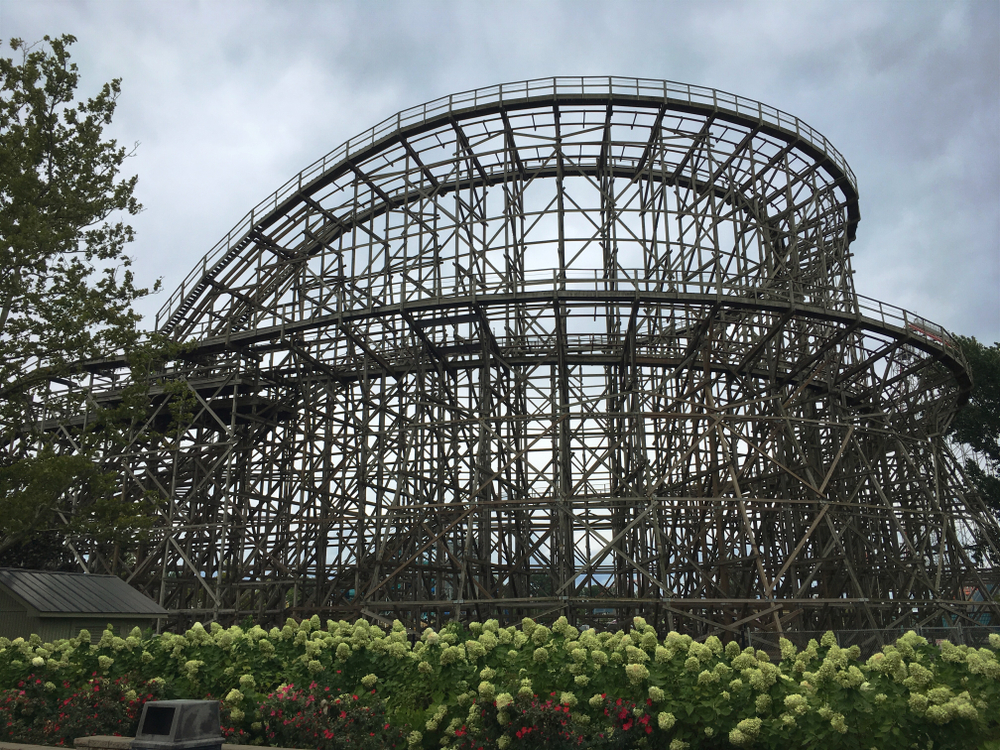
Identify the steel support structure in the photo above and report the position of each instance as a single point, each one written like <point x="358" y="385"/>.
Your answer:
<point x="579" y="346"/>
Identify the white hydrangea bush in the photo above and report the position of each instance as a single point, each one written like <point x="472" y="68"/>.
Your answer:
<point x="482" y="681"/>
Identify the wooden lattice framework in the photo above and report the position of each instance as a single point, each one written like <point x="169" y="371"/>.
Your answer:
<point x="580" y="345"/>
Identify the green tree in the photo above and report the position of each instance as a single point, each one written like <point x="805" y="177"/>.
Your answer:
<point x="977" y="425"/>
<point x="66" y="290"/>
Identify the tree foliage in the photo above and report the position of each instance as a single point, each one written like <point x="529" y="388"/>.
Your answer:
<point x="66" y="288"/>
<point x="977" y="425"/>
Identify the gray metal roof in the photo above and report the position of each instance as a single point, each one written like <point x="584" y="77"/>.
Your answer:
<point x="52" y="593"/>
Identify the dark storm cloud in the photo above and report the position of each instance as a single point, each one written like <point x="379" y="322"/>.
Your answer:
<point x="231" y="99"/>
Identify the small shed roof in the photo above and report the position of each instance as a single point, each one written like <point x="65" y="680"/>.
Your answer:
<point x="55" y="593"/>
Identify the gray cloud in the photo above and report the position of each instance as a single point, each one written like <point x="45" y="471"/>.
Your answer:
<point x="230" y="99"/>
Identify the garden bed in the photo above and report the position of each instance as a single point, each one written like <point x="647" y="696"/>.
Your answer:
<point x="104" y="742"/>
<point x="343" y="684"/>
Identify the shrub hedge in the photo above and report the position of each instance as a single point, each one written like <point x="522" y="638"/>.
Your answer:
<point x="484" y="686"/>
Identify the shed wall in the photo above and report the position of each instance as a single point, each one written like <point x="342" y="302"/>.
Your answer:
<point x="17" y="622"/>
<point x="14" y="621"/>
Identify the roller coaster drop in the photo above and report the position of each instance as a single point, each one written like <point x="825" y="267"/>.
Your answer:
<point x="579" y="346"/>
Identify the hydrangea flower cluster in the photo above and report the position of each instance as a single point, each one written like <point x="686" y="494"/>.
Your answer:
<point x="532" y="684"/>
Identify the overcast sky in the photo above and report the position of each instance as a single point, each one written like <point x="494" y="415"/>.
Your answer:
<point x="230" y="99"/>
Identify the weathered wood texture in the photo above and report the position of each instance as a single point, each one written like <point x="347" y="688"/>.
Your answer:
<point x="581" y="345"/>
